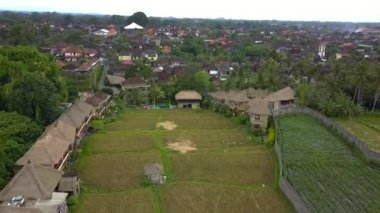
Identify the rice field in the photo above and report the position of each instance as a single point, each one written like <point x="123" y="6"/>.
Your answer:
<point x="366" y="128"/>
<point x="225" y="171"/>
<point x="327" y="173"/>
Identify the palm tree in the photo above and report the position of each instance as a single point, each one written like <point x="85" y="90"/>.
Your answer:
<point x="359" y="77"/>
<point x="171" y="87"/>
<point x="156" y="93"/>
<point x="375" y="86"/>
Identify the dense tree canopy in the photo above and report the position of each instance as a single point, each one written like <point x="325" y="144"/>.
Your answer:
<point x="17" y="134"/>
<point x="31" y="83"/>
<point x="34" y="96"/>
<point x="139" y="18"/>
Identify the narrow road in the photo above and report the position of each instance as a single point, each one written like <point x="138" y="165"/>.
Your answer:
<point x="103" y="75"/>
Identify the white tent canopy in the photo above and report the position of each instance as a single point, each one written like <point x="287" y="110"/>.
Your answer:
<point x="133" y="26"/>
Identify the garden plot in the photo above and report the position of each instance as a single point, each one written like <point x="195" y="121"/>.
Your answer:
<point x="328" y="175"/>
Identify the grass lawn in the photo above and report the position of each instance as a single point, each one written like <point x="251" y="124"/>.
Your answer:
<point x="366" y="128"/>
<point x="226" y="172"/>
<point x="328" y="175"/>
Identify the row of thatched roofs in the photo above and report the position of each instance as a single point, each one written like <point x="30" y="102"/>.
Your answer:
<point x="253" y="100"/>
<point x="41" y="164"/>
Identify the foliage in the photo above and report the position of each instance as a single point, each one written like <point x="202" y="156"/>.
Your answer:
<point x="271" y="136"/>
<point x="135" y="97"/>
<point x="242" y="118"/>
<point x="202" y="82"/>
<point x="339" y="105"/>
<point x="98" y="125"/>
<point x="156" y="93"/>
<point x="17" y="133"/>
<point x="73" y="201"/>
<point x="139" y="18"/>
<point x="139" y="69"/>
<point x="107" y="90"/>
<point x="36" y="97"/>
<point x="17" y="61"/>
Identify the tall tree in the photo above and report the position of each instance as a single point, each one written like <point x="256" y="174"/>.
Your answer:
<point x="34" y="96"/>
<point x="139" y="18"/>
<point x="17" y="134"/>
<point x="202" y="82"/>
<point x="156" y="93"/>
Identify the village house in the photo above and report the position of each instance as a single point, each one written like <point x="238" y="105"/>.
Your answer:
<point x="72" y="53"/>
<point x="78" y="115"/>
<point x="84" y="68"/>
<point x="100" y="101"/>
<point x="281" y="98"/>
<point x="52" y="148"/>
<point x="33" y="188"/>
<point x="238" y="102"/>
<point x="136" y="83"/>
<point x="188" y="99"/>
<point x="115" y="82"/>
<point x="69" y="184"/>
<point x="228" y="96"/>
<point x="225" y="70"/>
<point x="150" y="54"/>
<point x="259" y="112"/>
<point x="119" y="69"/>
<point x="125" y="55"/>
<point x="218" y="97"/>
<point x="254" y="93"/>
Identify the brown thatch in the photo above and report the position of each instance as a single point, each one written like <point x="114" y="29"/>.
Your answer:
<point x="98" y="98"/>
<point x="32" y="181"/>
<point x="62" y="129"/>
<point x="115" y="80"/>
<point x="219" y="95"/>
<point x="153" y="169"/>
<point x="254" y="93"/>
<point x="285" y="94"/>
<point x="77" y="114"/>
<point x="258" y="106"/>
<point x="188" y="95"/>
<point x="239" y="97"/>
<point x="68" y="184"/>
<point x="13" y="209"/>
<point x="48" y="150"/>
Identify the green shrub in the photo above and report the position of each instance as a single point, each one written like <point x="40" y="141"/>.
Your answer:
<point x="98" y="125"/>
<point x="73" y="201"/>
<point x="271" y="136"/>
<point x="243" y="118"/>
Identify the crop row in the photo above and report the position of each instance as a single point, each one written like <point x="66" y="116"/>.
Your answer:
<point x="324" y="171"/>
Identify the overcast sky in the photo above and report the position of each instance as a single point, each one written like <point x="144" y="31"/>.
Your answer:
<point x="322" y="10"/>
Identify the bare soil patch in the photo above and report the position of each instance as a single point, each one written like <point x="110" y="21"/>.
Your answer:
<point x="182" y="146"/>
<point x="168" y="125"/>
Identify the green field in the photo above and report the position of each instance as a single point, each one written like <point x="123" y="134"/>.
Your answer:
<point x="327" y="174"/>
<point x="366" y="128"/>
<point x="226" y="173"/>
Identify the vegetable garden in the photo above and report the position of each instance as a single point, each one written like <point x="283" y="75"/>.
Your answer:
<point x="327" y="174"/>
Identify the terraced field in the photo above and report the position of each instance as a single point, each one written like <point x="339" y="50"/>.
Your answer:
<point x="365" y="127"/>
<point x="327" y="174"/>
<point x="224" y="171"/>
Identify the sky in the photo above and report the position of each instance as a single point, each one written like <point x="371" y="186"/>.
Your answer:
<point x="295" y="10"/>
